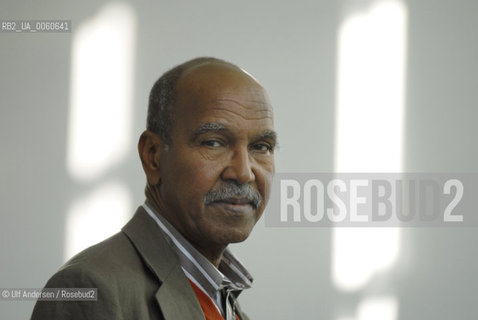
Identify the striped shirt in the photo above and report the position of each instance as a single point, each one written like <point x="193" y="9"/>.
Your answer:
<point x="222" y="285"/>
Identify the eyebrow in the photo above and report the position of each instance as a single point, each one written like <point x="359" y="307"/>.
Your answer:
<point x="209" y="127"/>
<point x="268" y="134"/>
<point x="218" y="127"/>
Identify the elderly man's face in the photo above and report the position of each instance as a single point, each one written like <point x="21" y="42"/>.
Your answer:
<point x="222" y="142"/>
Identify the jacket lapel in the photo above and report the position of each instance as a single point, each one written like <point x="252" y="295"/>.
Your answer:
<point x="175" y="296"/>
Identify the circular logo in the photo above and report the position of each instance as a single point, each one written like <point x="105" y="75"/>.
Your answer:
<point x="5" y="294"/>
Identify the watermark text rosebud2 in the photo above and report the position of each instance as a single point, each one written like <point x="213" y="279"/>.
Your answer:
<point x="373" y="200"/>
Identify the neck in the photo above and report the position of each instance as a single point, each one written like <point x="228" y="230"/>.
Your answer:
<point x="152" y="195"/>
<point x="213" y="253"/>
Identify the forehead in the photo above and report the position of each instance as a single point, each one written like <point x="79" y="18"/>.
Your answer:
<point x="221" y="93"/>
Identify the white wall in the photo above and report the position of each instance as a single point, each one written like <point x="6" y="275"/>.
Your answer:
<point x="291" y="47"/>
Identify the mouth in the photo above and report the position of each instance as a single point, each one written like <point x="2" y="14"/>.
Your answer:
<point x="236" y="201"/>
<point x="235" y="205"/>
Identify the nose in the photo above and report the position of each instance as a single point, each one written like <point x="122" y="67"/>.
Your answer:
<point x="239" y="166"/>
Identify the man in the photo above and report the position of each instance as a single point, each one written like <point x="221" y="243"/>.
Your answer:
<point x="208" y="155"/>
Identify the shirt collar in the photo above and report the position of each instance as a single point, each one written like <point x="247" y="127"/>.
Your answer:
<point x="231" y="275"/>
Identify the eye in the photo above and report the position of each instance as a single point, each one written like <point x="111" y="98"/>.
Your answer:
<point x="263" y="147"/>
<point x="211" y="143"/>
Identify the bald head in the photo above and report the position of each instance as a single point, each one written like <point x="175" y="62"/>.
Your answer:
<point x="164" y="93"/>
<point x="216" y="74"/>
<point x="203" y="82"/>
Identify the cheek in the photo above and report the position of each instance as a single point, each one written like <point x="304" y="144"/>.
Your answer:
<point x="198" y="177"/>
<point x="264" y="183"/>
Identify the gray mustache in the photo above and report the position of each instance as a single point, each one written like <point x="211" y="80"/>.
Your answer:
<point x="231" y="189"/>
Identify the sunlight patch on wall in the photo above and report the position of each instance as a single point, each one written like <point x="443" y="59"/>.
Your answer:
<point x="383" y="308"/>
<point x="100" y="124"/>
<point x="96" y="217"/>
<point x="369" y="134"/>
<point x="99" y="128"/>
<point x="359" y="253"/>
<point x="369" y="128"/>
<point x="370" y="99"/>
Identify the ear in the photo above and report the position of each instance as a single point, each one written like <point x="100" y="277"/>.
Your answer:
<point x="150" y="146"/>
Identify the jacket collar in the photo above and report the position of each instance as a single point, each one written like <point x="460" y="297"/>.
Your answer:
<point x="175" y="295"/>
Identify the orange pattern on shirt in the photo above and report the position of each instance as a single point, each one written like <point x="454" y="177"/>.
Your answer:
<point x="207" y="305"/>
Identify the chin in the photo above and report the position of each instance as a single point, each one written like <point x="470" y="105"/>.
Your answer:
<point x="239" y="239"/>
<point x="233" y="236"/>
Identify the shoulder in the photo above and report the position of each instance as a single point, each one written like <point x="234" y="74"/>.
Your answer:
<point x="107" y="258"/>
<point x="118" y="273"/>
<point x="113" y="262"/>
